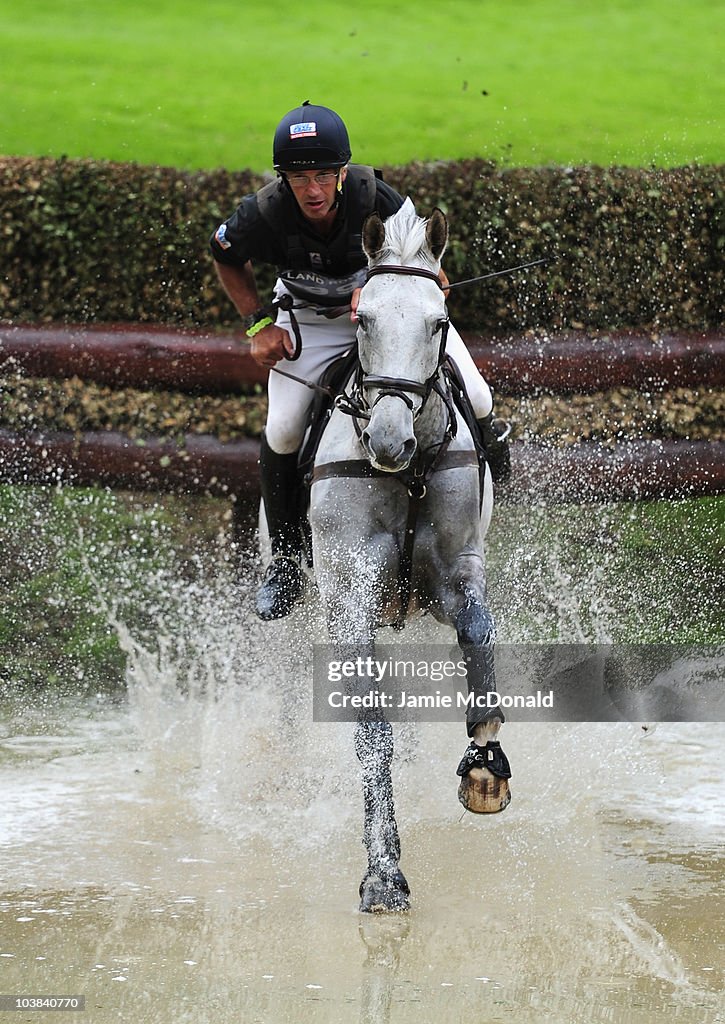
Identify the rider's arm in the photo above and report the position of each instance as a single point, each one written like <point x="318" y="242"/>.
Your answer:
<point x="240" y="286"/>
<point x="271" y="343"/>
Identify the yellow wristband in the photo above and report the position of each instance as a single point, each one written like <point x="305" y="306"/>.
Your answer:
<point x="259" y="326"/>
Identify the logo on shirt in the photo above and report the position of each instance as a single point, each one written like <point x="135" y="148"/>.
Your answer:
<point x="304" y="128"/>
<point x="221" y="237"/>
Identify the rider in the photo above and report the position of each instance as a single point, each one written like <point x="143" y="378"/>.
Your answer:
<point x="308" y="225"/>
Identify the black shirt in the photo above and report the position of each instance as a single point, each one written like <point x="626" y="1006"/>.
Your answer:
<point x="278" y="234"/>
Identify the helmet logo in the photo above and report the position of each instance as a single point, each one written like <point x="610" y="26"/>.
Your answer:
<point x="303" y="129"/>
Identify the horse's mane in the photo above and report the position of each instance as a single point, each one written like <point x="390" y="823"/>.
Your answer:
<point x="405" y="238"/>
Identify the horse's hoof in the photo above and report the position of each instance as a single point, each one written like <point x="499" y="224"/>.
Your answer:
<point x="384" y="894"/>
<point x="481" y="792"/>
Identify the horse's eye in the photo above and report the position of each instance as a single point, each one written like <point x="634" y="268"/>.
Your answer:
<point x="361" y="322"/>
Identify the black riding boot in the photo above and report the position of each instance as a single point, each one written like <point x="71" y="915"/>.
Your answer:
<point x="283" y="582"/>
<point x="494" y="434"/>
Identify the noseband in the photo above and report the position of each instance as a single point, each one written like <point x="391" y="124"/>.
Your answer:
<point x="400" y="387"/>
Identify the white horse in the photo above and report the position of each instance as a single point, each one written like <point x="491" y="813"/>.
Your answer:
<point x="397" y="520"/>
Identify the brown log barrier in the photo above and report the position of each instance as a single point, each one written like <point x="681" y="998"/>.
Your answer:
<point x="132" y="356"/>
<point x="151" y="356"/>
<point x="157" y="357"/>
<point x="203" y="465"/>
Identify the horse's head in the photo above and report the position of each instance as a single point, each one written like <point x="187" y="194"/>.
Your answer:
<point x="402" y="326"/>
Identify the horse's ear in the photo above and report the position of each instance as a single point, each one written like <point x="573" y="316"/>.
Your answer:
<point x="436" y="233"/>
<point x="373" y="236"/>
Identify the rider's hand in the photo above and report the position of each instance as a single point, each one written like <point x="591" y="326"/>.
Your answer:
<point x="270" y="345"/>
<point x="354" y="303"/>
<point x="443" y="278"/>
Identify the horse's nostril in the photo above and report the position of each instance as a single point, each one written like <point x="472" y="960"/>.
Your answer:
<point x="389" y="454"/>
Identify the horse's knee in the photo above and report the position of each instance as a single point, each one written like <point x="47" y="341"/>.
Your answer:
<point x="483" y="724"/>
<point x="475" y="625"/>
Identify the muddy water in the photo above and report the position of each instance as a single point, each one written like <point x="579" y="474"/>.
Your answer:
<point x="172" y="859"/>
<point x="192" y="851"/>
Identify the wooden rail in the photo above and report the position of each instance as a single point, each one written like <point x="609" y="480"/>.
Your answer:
<point x="143" y="357"/>
<point x="156" y="357"/>
<point x="202" y="465"/>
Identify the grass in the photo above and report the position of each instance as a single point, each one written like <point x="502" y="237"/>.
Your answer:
<point x="201" y="85"/>
<point x="75" y="563"/>
<point x="643" y="572"/>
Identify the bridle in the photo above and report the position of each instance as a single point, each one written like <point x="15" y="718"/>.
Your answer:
<point x="398" y="387"/>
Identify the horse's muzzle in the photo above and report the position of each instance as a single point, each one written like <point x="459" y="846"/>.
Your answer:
<point x="390" y="457"/>
<point x="388" y="438"/>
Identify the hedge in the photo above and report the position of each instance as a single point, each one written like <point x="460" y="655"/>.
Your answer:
<point x="84" y="241"/>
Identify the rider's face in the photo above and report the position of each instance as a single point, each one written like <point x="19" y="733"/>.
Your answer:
<point x="315" y="197"/>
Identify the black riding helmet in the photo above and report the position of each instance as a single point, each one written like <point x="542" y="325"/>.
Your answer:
<point x="310" y="137"/>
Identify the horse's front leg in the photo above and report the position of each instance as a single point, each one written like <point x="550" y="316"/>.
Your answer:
<point x="352" y="618"/>
<point x="484" y="768"/>
<point x="384" y="886"/>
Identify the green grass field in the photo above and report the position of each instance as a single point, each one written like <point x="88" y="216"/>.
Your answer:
<point x="195" y="84"/>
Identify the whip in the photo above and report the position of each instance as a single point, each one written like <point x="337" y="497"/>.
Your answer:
<point x="498" y="273"/>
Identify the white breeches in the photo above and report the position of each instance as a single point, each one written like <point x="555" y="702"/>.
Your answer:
<point x="322" y="341"/>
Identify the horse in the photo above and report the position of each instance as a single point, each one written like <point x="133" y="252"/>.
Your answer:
<point x="397" y="469"/>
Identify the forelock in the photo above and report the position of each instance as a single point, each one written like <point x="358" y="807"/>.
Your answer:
<point x="405" y="241"/>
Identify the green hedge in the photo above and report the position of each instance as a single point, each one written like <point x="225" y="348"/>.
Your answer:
<point x="86" y="241"/>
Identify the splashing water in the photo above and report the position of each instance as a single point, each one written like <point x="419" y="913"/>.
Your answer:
<point x="586" y="890"/>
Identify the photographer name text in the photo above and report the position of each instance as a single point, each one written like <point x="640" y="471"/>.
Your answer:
<point x="381" y="699"/>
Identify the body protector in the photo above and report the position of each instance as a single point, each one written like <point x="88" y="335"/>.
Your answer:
<point x="268" y="228"/>
<point x="321" y="271"/>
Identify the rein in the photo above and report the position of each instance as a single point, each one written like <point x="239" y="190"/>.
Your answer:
<point x="286" y="302"/>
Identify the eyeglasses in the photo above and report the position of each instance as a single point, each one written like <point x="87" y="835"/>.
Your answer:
<point x="302" y="181"/>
